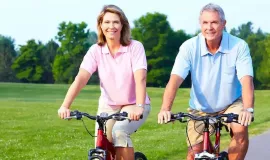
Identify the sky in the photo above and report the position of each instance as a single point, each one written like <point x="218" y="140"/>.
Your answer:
<point x="23" y="20"/>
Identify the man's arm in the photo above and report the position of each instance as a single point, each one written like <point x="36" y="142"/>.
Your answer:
<point x="247" y="91"/>
<point x="170" y="92"/>
<point x="179" y="72"/>
<point x="168" y="98"/>
<point x="245" y="74"/>
<point x="248" y="100"/>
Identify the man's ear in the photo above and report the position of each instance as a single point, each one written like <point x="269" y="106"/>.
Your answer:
<point x="224" y="23"/>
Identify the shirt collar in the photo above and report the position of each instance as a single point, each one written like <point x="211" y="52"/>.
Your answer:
<point x="223" y="48"/>
<point x="105" y="49"/>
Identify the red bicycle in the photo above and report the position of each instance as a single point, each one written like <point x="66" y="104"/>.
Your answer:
<point x="209" y="152"/>
<point x="103" y="146"/>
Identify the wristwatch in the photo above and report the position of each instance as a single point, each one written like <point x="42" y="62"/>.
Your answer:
<point x="140" y="105"/>
<point x="251" y="110"/>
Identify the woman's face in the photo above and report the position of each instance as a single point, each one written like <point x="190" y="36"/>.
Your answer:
<point x="111" y="26"/>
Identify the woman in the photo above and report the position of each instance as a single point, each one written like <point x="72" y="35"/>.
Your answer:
<point x="122" y="67"/>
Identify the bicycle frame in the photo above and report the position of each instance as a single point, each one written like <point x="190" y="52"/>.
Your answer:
<point x="210" y="152"/>
<point x="104" y="149"/>
<point x="207" y="144"/>
<point x="103" y="145"/>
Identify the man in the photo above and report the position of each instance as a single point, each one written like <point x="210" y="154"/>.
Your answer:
<point x="222" y="80"/>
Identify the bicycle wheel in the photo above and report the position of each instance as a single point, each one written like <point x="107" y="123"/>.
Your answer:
<point x="223" y="156"/>
<point x="139" y="156"/>
<point x="96" y="157"/>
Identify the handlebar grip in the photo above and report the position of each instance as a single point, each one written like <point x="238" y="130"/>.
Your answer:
<point x="76" y="114"/>
<point x="72" y="113"/>
<point x="236" y="117"/>
<point x="125" y="114"/>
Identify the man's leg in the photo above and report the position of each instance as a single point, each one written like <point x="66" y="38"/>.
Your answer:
<point x="194" y="138"/>
<point x="195" y="149"/>
<point x="239" y="142"/>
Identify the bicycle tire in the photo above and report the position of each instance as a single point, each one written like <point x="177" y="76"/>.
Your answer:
<point x="139" y="156"/>
<point x="96" y="157"/>
<point x="223" y="156"/>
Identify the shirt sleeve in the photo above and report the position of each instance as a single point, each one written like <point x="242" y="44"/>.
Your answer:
<point x="244" y="62"/>
<point x="89" y="62"/>
<point x="138" y="57"/>
<point x="182" y="63"/>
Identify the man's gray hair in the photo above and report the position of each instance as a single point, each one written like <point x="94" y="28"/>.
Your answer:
<point x="214" y="7"/>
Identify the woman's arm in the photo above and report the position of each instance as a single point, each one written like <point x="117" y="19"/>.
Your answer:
<point x="140" y="81"/>
<point x="75" y="88"/>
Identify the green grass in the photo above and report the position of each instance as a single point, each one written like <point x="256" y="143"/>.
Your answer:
<point x="30" y="128"/>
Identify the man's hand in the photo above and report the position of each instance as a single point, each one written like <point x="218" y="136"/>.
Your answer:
<point x="245" y="117"/>
<point x="136" y="113"/>
<point x="164" y="116"/>
<point x="63" y="112"/>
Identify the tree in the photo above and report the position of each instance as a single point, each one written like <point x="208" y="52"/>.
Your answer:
<point x="74" y="39"/>
<point x="153" y="30"/>
<point x="243" y="31"/>
<point x="257" y="51"/>
<point x="7" y="56"/>
<point x="28" y="65"/>
<point x="161" y="45"/>
<point x="257" y="48"/>
<point x="92" y="38"/>
<point x="48" y="55"/>
<point x="263" y="70"/>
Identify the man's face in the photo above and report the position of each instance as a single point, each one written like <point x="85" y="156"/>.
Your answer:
<point x="211" y="25"/>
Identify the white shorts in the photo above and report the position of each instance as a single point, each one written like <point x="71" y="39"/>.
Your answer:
<point x="118" y="132"/>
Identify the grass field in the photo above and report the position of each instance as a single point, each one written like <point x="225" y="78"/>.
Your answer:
<point x="30" y="128"/>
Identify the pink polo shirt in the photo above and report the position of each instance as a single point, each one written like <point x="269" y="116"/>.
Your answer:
<point x="116" y="73"/>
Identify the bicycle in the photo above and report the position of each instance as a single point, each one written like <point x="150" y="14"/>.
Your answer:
<point x="103" y="146"/>
<point x="209" y="152"/>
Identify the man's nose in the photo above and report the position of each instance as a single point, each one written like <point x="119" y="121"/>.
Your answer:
<point x="209" y="26"/>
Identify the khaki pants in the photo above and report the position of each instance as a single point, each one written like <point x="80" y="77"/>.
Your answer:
<point x="197" y="126"/>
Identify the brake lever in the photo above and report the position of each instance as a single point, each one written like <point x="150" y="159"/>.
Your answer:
<point x="70" y="117"/>
<point x="183" y="120"/>
<point x="124" y="116"/>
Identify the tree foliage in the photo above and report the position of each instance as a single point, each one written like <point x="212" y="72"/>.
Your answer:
<point x="74" y="39"/>
<point x="28" y="65"/>
<point x="7" y="56"/>
<point x="59" y="63"/>
<point x="161" y="45"/>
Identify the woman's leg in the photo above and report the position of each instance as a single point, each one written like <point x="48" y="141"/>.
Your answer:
<point x="122" y="131"/>
<point x="109" y="124"/>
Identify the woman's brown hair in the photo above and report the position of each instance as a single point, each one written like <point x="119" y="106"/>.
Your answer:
<point x="125" y="38"/>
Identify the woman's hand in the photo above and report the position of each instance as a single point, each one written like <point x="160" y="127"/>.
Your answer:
<point x="63" y="112"/>
<point x="136" y="113"/>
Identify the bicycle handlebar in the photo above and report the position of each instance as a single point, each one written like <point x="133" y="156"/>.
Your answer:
<point x="117" y="116"/>
<point x="230" y="117"/>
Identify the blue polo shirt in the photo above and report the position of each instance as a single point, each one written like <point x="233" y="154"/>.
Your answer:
<point x="215" y="77"/>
